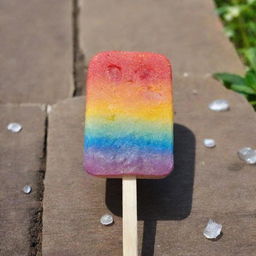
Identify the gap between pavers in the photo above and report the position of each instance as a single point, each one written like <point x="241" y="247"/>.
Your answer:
<point x="206" y="183"/>
<point x="21" y="163"/>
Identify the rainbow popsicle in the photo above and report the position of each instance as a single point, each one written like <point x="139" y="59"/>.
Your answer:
<point x="129" y="115"/>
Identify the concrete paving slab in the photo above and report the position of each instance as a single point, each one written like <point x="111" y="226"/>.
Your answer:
<point x="188" y="32"/>
<point x="21" y="158"/>
<point x="36" y="58"/>
<point x="220" y="174"/>
<point x="206" y="183"/>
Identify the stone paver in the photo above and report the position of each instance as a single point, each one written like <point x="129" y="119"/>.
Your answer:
<point x="36" y="58"/>
<point x="206" y="183"/>
<point x="188" y="32"/>
<point x="21" y="157"/>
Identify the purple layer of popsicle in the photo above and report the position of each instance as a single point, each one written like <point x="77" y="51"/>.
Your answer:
<point x="102" y="164"/>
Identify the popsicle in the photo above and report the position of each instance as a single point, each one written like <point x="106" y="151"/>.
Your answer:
<point x="129" y="124"/>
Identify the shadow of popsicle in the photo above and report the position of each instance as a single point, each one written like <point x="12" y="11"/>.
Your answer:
<point x="164" y="199"/>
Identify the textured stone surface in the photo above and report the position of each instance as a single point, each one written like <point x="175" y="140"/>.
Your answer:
<point x="20" y="164"/>
<point x="36" y="51"/>
<point x="206" y="183"/>
<point x="188" y="32"/>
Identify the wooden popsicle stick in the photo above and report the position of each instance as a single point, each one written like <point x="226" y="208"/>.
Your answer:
<point x="130" y="240"/>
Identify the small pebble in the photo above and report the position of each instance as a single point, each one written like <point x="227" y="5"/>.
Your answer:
<point x="195" y="92"/>
<point x="209" y="143"/>
<point x="203" y="163"/>
<point x="48" y="109"/>
<point x="106" y="220"/>
<point x="185" y="74"/>
<point x="27" y="189"/>
<point x="219" y="105"/>
<point x="212" y="230"/>
<point x="14" y="127"/>
<point x="248" y="155"/>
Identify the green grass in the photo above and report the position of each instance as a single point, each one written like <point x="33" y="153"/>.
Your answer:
<point x="239" y="19"/>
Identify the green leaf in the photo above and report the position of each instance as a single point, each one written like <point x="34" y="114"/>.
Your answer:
<point x="221" y="10"/>
<point x="252" y="26"/>
<point x="229" y="79"/>
<point x="250" y="79"/>
<point x="250" y="55"/>
<point x="243" y="89"/>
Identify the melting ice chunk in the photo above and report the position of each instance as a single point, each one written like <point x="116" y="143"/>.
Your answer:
<point x="14" y="127"/>
<point x="27" y="189"/>
<point x="106" y="220"/>
<point x="219" y="105"/>
<point x="212" y="230"/>
<point x="209" y="143"/>
<point x="248" y="155"/>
